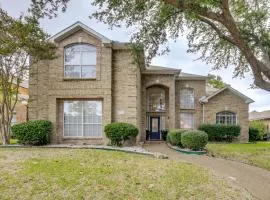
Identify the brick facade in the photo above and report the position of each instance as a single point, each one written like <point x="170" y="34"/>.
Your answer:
<point x="229" y="102"/>
<point x="121" y="86"/>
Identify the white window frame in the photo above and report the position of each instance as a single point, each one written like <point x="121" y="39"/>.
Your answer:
<point x="82" y="134"/>
<point x="80" y="65"/>
<point x="226" y="114"/>
<point x="193" y="119"/>
<point x="184" y="93"/>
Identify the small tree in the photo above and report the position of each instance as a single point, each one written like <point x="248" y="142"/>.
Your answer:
<point x="259" y="126"/>
<point x="22" y="43"/>
<point x="215" y="81"/>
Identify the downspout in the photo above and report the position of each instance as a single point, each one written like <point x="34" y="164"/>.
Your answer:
<point x="203" y="111"/>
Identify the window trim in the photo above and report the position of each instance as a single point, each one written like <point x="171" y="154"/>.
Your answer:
<point x="193" y="106"/>
<point x="64" y="61"/>
<point x="227" y="111"/>
<point x="83" y="137"/>
<point x="194" y="119"/>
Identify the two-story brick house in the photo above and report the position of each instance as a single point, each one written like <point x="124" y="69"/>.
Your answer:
<point x="94" y="81"/>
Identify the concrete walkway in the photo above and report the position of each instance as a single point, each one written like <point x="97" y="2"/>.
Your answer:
<point x="255" y="180"/>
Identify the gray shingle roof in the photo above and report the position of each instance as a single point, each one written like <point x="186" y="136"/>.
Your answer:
<point x="254" y="115"/>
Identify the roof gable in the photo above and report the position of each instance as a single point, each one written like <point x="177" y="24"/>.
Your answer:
<point x="205" y="99"/>
<point x="76" y="27"/>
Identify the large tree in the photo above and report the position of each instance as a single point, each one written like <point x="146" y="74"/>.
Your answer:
<point x="22" y="43"/>
<point x="224" y="32"/>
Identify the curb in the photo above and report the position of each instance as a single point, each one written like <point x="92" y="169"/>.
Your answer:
<point x="186" y="151"/>
<point x="106" y="148"/>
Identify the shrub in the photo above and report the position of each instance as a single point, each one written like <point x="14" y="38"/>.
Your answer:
<point x="34" y="132"/>
<point x="259" y="126"/>
<point x="174" y="136"/>
<point x="194" y="139"/>
<point x="253" y="134"/>
<point x="219" y="132"/>
<point x="118" y="132"/>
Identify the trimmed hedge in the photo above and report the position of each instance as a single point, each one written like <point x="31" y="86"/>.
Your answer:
<point x="194" y="139"/>
<point x="219" y="132"/>
<point x="174" y="136"/>
<point x="118" y="132"/>
<point x="34" y="132"/>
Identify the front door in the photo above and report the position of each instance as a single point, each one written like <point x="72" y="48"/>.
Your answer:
<point x="154" y="128"/>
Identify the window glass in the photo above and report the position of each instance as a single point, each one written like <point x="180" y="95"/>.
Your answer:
<point x="187" y="98"/>
<point x="226" y="117"/>
<point x="82" y="118"/>
<point x="156" y="99"/>
<point x="187" y="120"/>
<point x="80" y="61"/>
<point x="88" y="71"/>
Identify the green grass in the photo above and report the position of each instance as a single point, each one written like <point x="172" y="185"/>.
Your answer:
<point x="12" y="141"/>
<point x="257" y="154"/>
<point x="38" y="173"/>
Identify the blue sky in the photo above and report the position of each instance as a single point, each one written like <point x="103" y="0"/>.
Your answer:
<point x="79" y="10"/>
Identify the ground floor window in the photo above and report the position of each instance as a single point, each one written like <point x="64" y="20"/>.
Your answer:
<point x="82" y="118"/>
<point x="226" y="117"/>
<point x="187" y="120"/>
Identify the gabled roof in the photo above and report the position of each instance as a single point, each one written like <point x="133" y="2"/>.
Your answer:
<point x="254" y="115"/>
<point x="205" y="99"/>
<point x="152" y="69"/>
<point x="76" y="27"/>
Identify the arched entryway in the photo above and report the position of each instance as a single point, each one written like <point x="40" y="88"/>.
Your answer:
<point x="157" y="104"/>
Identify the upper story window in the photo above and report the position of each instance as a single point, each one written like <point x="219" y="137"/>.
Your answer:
<point x="156" y="99"/>
<point x="226" y="117"/>
<point x="80" y="61"/>
<point x="187" y="99"/>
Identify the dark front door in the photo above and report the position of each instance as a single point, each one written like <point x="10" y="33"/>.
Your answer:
<point x="154" y="128"/>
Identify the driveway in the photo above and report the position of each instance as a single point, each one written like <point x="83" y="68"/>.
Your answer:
<point x="255" y="180"/>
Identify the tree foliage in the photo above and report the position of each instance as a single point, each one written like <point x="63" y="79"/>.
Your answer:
<point x="259" y="125"/>
<point x="22" y="43"/>
<point x="224" y="32"/>
<point x="215" y="81"/>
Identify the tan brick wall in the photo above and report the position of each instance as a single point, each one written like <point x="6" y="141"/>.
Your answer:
<point x="21" y="112"/>
<point x="167" y="81"/>
<point x="48" y="88"/>
<point x="226" y="100"/>
<point x="126" y="89"/>
<point x="199" y="91"/>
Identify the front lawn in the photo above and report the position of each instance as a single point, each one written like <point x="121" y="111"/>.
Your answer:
<point x="257" y="154"/>
<point x="39" y="173"/>
<point x="12" y="141"/>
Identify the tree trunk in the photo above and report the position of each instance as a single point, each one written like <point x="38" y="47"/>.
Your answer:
<point x="5" y="135"/>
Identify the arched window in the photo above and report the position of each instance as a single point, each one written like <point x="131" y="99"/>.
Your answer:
<point x="156" y="99"/>
<point x="226" y="117"/>
<point x="80" y="61"/>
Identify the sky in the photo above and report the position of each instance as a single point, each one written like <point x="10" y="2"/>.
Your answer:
<point x="80" y="10"/>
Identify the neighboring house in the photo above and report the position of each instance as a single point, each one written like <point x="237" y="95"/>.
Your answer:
<point x="263" y="116"/>
<point x="94" y="81"/>
<point x="20" y="111"/>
